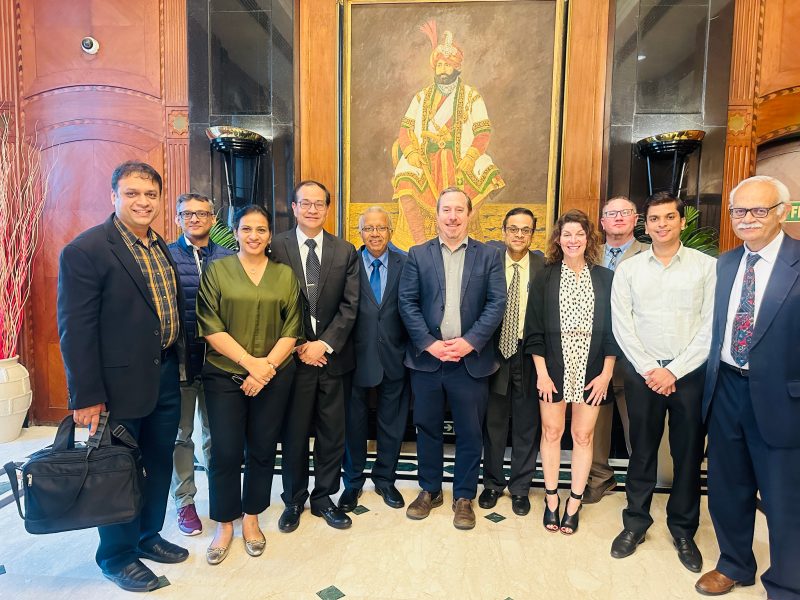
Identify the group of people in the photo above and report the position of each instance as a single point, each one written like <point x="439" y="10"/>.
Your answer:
<point x="291" y="336"/>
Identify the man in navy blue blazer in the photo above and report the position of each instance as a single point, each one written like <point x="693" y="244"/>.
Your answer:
<point x="380" y="339"/>
<point x="452" y="297"/>
<point x="751" y="401"/>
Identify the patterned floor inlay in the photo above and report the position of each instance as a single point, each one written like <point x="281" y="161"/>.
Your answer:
<point x="330" y="593"/>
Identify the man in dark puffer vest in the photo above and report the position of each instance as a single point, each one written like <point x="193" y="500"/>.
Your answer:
<point x="192" y="252"/>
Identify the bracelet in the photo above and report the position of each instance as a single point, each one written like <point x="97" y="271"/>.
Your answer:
<point x="239" y="362"/>
<point x="273" y="366"/>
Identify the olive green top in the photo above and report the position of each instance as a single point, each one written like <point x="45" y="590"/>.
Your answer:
<point x="256" y="316"/>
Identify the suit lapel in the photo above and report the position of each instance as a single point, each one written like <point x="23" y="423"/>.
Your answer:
<point x="438" y="263"/>
<point x="328" y="253"/>
<point x="781" y="280"/>
<point x="365" y="285"/>
<point x="393" y="274"/>
<point x="598" y="323"/>
<point x="552" y="318"/>
<point x="469" y="261"/>
<point x="289" y="240"/>
<point x="725" y="279"/>
<point x="120" y="249"/>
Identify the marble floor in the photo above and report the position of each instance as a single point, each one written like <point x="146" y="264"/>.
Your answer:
<point x="383" y="556"/>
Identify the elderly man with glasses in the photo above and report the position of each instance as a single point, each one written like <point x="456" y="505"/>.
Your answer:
<point x="192" y="252"/>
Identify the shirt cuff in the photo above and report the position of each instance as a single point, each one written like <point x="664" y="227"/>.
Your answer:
<point x="328" y="349"/>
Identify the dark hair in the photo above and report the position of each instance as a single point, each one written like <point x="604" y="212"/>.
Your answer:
<point x="592" y="254"/>
<point x="610" y="200"/>
<point x="454" y="189"/>
<point x="249" y="210"/>
<point x="306" y="182"/>
<point x="134" y="167"/>
<point x="663" y="198"/>
<point x="519" y="210"/>
<point x="191" y="196"/>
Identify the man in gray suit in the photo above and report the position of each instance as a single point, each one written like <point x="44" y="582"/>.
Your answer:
<point x="618" y="218"/>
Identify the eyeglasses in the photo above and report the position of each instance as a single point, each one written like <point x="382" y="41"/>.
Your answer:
<point x="306" y="205"/>
<point x="514" y="230"/>
<point x="373" y="229"/>
<point x="238" y="379"/>
<point x="625" y="212"/>
<point x="201" y="215"/>
<point x="759" y="212"/>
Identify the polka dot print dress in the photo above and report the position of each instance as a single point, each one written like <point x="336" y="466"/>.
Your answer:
<point x="576" y="308"/>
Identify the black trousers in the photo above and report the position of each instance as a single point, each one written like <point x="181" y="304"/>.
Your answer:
<point x="467" y="397"/>
<point x="318" y="401"/>
<point x="392" y="413"/>
<point x="740" y="463"/>
<point x="243" y="425"/>
<point x="647" y="410"/>
<point x="525" y="433"/>
<point x="155" y="435"/>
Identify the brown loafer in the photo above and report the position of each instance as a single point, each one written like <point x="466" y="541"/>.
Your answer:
<point x="593" y="495"/>
<point x="421" y="507"/>
<point x="715" y="583"/>
<point x="464" y="517"/>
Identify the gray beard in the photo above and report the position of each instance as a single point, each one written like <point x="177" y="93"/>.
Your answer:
<point x="447" y="88"/>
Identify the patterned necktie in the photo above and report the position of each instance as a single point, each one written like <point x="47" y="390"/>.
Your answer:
<point x="510" y="328"/>
<point x="743" y="321"/>
<point x="375" y="280"/>
<point x="312" y="276"/>
<point x="615" y="252"/>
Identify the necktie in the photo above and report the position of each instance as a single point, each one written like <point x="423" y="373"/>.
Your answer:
<point x="312" y="276"/>
<point x="375" y="280"/>
<point x="743" y="321"/>
<point x="510" y="328"/>
<point x="615" y="252"/>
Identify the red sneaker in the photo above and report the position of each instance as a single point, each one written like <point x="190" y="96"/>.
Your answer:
<point x="188" y="521"/>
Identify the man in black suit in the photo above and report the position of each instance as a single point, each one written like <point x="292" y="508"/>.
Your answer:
<point x="122" y="340"/>
<point x="380" y="341"/>
<point x="327" y="269"/>
<point x="751" y="401"/>
<point x="508" y="387"/>
<point x="452" y="297"/>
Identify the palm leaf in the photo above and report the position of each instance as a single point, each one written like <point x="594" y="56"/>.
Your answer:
<point x="222" y="235"/>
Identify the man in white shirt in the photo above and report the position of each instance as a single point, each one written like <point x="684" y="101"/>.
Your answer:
<point x="618" y="219"/>
<point x="752" y="395"/>
<point x="661" y="304"/>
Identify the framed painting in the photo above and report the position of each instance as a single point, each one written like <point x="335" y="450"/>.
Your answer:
<point x="442" y="93"/>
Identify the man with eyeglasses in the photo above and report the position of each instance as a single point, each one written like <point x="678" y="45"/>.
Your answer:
<point x="380" y="341"/>
<point x="751" y="402"/>
<point x="509" y="395"/>
<point x="192" y="252"/>
<point x="617" y="220"/>
<point x="327" y="269"/>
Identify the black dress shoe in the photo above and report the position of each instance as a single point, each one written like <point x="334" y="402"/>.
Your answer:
<point x="521" y="505"/>
<point x="625" y="543"/>
<point x="333" y="516"/>
<point x="290" y="518"/>
<point x="391" y="496"/>
<point x="689" y="554"/>
<point x="488" y="498"/>
<point x="349" y="499"/>
<point x="133" y="577"/>
<point x="163" y="551"/>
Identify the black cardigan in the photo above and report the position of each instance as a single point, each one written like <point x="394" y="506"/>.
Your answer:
<point x="543" y="325"/>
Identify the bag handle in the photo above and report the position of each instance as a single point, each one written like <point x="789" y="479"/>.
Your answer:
<point x="11" y="470"/>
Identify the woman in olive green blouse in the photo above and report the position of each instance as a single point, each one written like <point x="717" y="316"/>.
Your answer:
<point x="248" y="310"/>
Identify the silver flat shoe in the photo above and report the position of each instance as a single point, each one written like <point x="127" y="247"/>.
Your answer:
<point x="255" y="547"/>
<point x="214" y="556"/>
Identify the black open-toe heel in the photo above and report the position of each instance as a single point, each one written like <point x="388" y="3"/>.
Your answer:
<point x="550" y="518"/>
<point x="570" y="521"/>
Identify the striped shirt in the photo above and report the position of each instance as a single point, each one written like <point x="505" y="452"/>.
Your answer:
<point x="159" y="277"/>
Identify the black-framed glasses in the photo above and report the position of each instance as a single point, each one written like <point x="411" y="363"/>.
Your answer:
<point x="514" y="230"/>
<point x="373" y="229"/>
<point x="625" y="212"/>
<point x="759" y="212"/>
<point x="202" y="215"/>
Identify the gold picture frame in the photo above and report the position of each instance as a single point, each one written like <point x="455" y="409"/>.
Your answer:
<point x="386" y="32"/>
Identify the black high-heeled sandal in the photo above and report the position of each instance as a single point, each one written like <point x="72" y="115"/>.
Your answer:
<point x="570" y="521"/>
<point x="550" y="518"/>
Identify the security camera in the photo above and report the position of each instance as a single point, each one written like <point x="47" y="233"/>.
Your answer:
<point x="90" y="45"/>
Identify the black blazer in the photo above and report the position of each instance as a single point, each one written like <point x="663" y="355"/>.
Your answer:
<point x="337" y="302"/>
<point x="543" y="325"/>
<point x="498" y="383"/>
<point x="379" y="336"/>
<point x="109" y="328"/>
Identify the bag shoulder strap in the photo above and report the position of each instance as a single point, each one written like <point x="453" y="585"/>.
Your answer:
<point x="11" y="470"/>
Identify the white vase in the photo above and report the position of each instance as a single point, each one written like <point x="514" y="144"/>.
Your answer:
<point x="15" y="398"/>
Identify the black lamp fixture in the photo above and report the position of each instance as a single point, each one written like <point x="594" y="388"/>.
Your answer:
<point x="667" y="157"/>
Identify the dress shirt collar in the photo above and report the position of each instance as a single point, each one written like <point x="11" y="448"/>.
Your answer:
<point x="462" y="244"/>
<point x="624" y="247"/>
<point x="680" y="255"/>
<point x="131" y="238"/>
<point x="768" y="253"/>
<point x="302" y="237"/>
<point x="368" y="258"/>
<point x="189" y="244"/>
<point x="523" y="262"/>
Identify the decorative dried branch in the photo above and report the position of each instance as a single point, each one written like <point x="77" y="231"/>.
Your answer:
<point x="23" y="189"/>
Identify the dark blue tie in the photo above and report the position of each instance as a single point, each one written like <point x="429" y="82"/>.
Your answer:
<point x="375" y="279"/>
